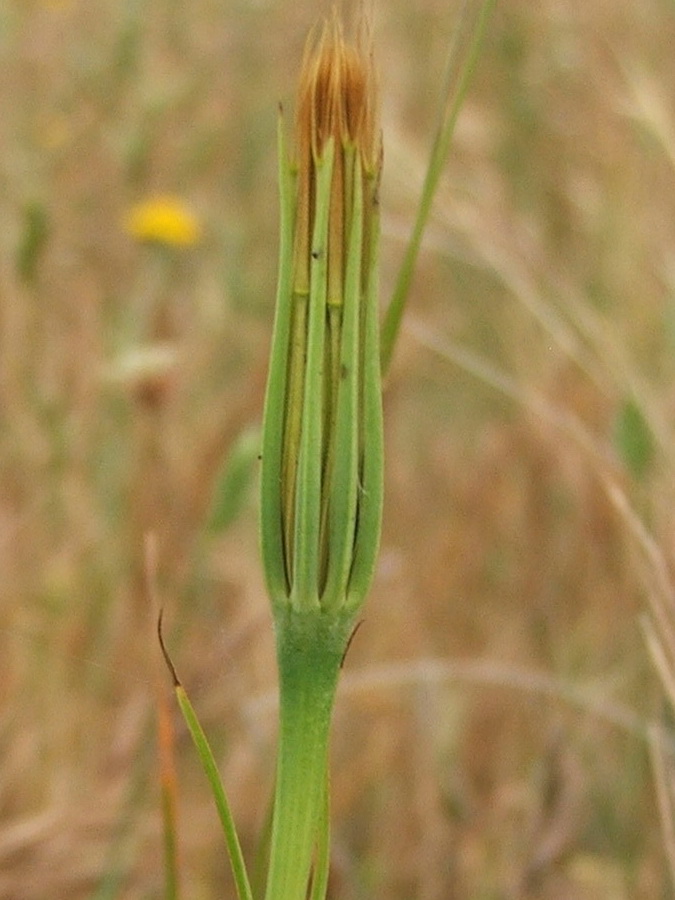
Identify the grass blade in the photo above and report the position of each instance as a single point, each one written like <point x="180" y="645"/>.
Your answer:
<point x="459" y="74"/>
<point x="211" y="770"/>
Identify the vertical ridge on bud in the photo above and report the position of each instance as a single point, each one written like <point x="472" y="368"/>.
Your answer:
<point x="322" y="442"/>
<point x="278" y="382"/>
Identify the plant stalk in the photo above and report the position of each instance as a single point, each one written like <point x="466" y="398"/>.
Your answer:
<point x="310" y="647"/>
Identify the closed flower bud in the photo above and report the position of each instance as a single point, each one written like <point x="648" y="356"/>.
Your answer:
<point x="322" y="436"/>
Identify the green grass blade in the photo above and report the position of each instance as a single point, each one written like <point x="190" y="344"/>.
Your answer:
<point x="211" y="769"/>
<point x="213" y="775"/>
<point x="459" y="75"/>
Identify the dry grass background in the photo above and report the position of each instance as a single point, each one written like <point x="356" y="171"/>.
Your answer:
<point x="490" y="739"/>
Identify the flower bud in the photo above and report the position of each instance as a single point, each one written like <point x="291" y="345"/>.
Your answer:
<point x="322" y="435"/>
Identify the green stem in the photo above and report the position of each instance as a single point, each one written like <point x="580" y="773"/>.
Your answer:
<point x="322" y="857"/>
<point x="310" y="646"/>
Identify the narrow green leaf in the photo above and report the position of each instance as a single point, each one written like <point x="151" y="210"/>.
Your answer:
<point x="211" y="769"/>
<point x="208" y="762"/>
<point x="457" y="83"/>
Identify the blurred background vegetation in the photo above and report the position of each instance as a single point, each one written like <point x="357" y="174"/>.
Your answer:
<point x="491" y="738"/>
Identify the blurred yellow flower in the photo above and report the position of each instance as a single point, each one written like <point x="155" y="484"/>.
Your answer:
<point x="163" y="220"/>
